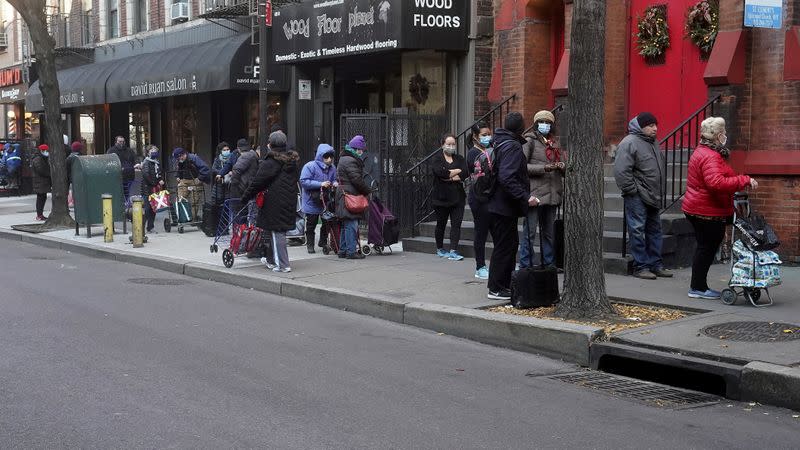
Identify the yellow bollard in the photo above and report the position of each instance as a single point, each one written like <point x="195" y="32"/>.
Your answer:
<point x="138" y="229"/>
<point x="108" y="218"/>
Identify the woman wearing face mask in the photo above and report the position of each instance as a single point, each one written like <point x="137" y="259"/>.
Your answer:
<point x="221" y="183"/>
<point x="479" y="160"/>
<point x="152" y="181"/>
<point x="448" y="196"/>
<point x="708" y="203"/>
<point x="546" y="174"/>
<point x="40" y="163"/>
<point x="317" y="175"/>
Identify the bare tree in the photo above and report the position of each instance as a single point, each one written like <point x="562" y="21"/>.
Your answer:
<point x="34" y="14"/>
<point x="584" y="281"/>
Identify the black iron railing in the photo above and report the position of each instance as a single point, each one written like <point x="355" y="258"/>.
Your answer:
<point x="677" y="146"/>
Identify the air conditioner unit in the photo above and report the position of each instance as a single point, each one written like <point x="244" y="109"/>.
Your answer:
<point x="180" y="12"/>
<point x="3" y="40"/>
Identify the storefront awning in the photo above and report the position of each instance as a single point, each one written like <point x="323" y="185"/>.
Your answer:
<point x="220" y="64"/>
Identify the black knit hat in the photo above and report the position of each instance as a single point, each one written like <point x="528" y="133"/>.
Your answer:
<point x="514" y="123"/>
<point x="645" y="118"/>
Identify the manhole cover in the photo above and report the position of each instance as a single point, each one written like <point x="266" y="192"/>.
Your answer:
<point x="652" y="393"/>
<point x="158" y="281"/>
<point x="753" y="331"/>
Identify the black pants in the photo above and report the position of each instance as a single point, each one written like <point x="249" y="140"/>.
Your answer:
<point x="709" y="235"/>
<point x="311" y="226"/>
<point x="481" y="219"/>
<point x="41" y="199"/>
<point x="504" y="256"/>
<point x="456" y="214"/>
<point x="149" y="216"/>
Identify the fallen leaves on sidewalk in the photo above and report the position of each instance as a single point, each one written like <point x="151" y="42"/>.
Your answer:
<point x="631" y="316"/>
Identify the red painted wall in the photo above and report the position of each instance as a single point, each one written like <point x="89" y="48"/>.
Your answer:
<point x="674" y="90"/>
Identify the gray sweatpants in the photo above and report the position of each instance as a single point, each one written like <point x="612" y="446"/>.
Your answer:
<point x="280" y="252"/>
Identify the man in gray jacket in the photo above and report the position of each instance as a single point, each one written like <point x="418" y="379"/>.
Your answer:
<point x="639" y="172"/>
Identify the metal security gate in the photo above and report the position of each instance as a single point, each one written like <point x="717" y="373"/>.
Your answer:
<point x="395" y="143"/>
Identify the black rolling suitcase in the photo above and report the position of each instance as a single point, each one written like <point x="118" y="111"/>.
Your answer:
<point x="533" y="287"/>
<point x="211" y="213"/>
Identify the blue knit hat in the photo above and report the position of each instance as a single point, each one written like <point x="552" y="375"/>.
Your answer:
<point x="178" y="152"/>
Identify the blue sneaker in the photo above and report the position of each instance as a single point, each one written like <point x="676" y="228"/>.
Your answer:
<point x="482" y="273"/>
<point x="441" y="253"/>
<point x="707" y="295"/>
<point x="454" y="256"/>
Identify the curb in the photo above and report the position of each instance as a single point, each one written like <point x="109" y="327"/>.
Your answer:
<point x="561" y="340"/>
<point x="771" y="384"/>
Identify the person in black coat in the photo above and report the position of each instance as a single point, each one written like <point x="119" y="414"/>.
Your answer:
<point x="350" y="174"/>
<point x="277" y="177"/>
<point x="508" y="202"/>
<point x="152" y="181"/>
<point x="40" y="165"/>
<point x="448" y="196"/>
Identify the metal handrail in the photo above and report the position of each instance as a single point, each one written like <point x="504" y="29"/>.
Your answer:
<point x="693" y="116"/>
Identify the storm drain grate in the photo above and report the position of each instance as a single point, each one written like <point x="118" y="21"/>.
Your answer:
<point x="753" y="331"/>
<point x="653" y="393"/>
<point x="158" y="281"/>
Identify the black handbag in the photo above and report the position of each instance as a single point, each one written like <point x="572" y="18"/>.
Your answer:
<point x="757" y="234"/>
<point x="534" y="287"/>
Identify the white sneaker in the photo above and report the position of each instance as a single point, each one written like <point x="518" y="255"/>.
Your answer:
<point x="282" y="269"/>
<point x="266" y="263"/>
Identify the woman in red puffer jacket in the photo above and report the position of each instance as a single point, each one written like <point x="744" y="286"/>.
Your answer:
<point x="708" y="203"/>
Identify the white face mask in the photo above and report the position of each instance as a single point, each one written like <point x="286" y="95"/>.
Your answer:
<point x="723" y="139"/>
<point x="450" y="150"/>
<point x="544" y="128"/>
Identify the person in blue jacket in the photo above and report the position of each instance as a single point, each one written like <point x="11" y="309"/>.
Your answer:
<point x="191" y="172"/>
<point x="317" y="175"/>
<point x="10" y="164"/>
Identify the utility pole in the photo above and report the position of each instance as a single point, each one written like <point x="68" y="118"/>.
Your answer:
<point x="264" y="22"/>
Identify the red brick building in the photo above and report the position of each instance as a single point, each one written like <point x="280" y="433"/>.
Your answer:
<point x="755" y="71"/>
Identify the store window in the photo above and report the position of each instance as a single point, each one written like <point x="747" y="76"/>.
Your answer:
<point x="87" y="134"/>
<point x="139" y="16"/>
<point x="139" y="127"/>
<point x="113" y="19"/>
<point x="425" y="82"/>
<point x="183" y="123"/>
<point x="274" y="115"/>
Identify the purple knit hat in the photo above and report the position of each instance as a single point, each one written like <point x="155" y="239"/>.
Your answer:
<point x="358" y="142"/>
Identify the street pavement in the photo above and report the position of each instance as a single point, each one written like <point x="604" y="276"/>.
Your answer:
<point x="92" y="360"/>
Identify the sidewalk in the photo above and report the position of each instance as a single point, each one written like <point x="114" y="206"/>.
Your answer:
<point x="408" y="277"/>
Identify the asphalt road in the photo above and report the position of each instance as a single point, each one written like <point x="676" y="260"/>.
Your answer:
<point x="89" y="359"/>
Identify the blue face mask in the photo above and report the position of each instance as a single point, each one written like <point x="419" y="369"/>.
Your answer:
<point x="226" y="153"/>
<point x="45" y="154"/>
<point x="153" y="155"/>
<point x="544" y="128"/>
<point x="485" y="140"/>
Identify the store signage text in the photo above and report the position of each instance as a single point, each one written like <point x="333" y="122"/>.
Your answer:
<point x="10" y="94"/>
<point x="763" y="13"/>
<point x="10" y="77"/>
<point x="433" y="19"/>
<point x="175" y="84"/>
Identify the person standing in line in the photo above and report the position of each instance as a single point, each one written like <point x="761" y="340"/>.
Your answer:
<point x="546" y="175"/>
<point x="638" y="170"/>
<point x="152" y="181"/>
<point x="40" y="165"/>
<point x="127" y="157"/>
<point x="317" y="175"/>
<point x="191" y="172"/>
<point x="479" y="163"/>
<point x="508" y="202"/>
<point x="448" y="196"/>
<point x="350" y="174"/>
<point x="277" y="177"/>
<point x="221" y="181"/>
<point x="708" y="203"/>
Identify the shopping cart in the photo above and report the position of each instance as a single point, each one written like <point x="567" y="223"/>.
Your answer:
<point x="236" y="231"/>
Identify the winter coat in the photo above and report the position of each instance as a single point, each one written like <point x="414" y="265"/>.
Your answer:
<point x="314" y="173"/>
<point x="192" y="168"/>
<point x="372" y="170"/>
<point x="41" y="173"/>
<point x="510" y="197"/>
<point x="151" y="175"/>
<point x="639" y="166"/>
<point x="12" y="159"/>
<point x="710" y="184"/>
<point x="227" y="166"/>
<point x="277" y="176"/>
<point x="350" y="174"/>
<point x="71" y="158"/>
<point x="243" y="171"/>
<point x="548" y="187"/>
<point x="127" y="157"/>
<point x="219" y="189"/>
<point x="447" y="193"/>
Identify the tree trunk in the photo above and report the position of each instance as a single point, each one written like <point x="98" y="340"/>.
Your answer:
<point x="33" y="13"/>
<point x="584" y="280"/>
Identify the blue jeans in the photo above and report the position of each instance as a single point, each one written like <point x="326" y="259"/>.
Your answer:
<point x="544" y="216"/>
<point x="644" y="234"/>
<point x="348" y="242"/>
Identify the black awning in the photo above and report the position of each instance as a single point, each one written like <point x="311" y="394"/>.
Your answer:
<point x="219" y="64"/>
<point x="81" y="85"/>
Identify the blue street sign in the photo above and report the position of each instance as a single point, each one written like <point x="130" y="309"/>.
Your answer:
<point x="763" y="13"/>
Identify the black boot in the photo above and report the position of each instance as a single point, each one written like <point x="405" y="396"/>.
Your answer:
<point x="310" y="246"/>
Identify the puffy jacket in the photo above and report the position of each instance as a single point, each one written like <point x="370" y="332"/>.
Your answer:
<point x="12" y="159"/>
<point x="71" y="158"/>
<point x="41" y="173"/>
<point x="151" y="175"/>
<point x="127" y="157"/>
<point x="193" y="167"/>
<point x="243" y="171"/>
<point x="510" y="197"/>
<point x="219" y="189"/>
<point x="710" y="184"/>
<point x="314" y="173"/>
<point x="277" y="176"/>
<point x="548" y="187"/>
<point x="350" y="174"/>
<point x="639" y="166"/>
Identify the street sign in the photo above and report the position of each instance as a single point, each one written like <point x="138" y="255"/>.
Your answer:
<point x="268" y="13"/>
<point x="763" y="13"/>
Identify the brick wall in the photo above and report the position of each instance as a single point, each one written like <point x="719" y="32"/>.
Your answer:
<point x="157" y="14"/>
<point x="484" y="49"/>
<point x="778" y="199"/>
<point x="96" y="32"/>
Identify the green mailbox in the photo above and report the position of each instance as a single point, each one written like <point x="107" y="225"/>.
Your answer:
<point x="93" y="176"/>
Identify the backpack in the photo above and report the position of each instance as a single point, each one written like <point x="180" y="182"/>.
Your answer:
<point x="484" y="177"/>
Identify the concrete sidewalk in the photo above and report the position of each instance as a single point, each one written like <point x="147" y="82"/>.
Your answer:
<point x="412" y="278"/>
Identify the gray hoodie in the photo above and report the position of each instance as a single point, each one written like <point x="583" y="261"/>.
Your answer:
<point x="639" y="166"/>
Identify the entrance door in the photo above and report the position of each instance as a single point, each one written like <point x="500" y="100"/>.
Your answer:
<point x="675" y="89"/>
